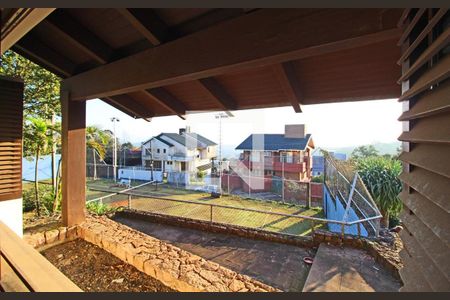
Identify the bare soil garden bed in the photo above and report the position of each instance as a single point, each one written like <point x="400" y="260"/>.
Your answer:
<point x="95" y="270"/>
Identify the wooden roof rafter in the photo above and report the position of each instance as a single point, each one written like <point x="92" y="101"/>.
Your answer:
<point x="41" y="53"/>
<point x="287" y="77"/>
<point x="79" y="36"/>
<point x="296" y="42"/>
<point x="167" y="100"/>
<point x="218" y="92"/>
<point x="131" y="106"/>
<point x="147" y="22"/>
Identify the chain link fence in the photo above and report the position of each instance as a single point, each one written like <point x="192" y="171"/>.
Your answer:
<point x="347" y="199"/>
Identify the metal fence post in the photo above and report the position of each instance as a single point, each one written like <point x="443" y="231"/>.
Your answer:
<point x="228" y="177"/>
<point x="343" y="229"/>
<point x="282" y="181"/>
<point x="129" y="201"/>
<point x="359" y="229"/>
<point x="308" y="195"/>
<point x="211" y="214"/>
<point x="377" y="230"/>
<point x="312" y="226"/>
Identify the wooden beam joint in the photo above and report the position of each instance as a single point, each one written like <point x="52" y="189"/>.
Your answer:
<point x="219" y="93"/>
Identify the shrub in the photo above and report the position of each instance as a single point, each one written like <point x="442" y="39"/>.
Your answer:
<point x="98" y="208"/>
<point x="45" y="194"/>
<point x="318" y="178"/>
<point x="380" y="175"/>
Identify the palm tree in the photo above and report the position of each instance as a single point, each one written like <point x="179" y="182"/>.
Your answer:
<point x="96" y="140"/>
<point x="380" y="175"/>
<point x="37" y="140"/>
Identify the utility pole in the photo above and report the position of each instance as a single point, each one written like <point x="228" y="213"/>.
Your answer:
<point x="221" y="116"/>
<point x="114" y="120"/>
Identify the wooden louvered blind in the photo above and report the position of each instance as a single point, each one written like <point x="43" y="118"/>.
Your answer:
<point x="11" y="114"/>
<point x="426" y="153"/>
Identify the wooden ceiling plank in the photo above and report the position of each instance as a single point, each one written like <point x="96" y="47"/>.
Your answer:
<point x="441" y="12"/>
<point x="218" y="93"/>
<point x="288" y="80"/>
<point x="80" y="36"/>
<point x="218" y="49"/>
<point x="167" y="100"/>
<point x="147" y="22"/>
<point x="44" y="55"/>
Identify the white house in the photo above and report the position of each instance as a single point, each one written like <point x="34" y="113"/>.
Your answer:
<point x="179" y="152"/>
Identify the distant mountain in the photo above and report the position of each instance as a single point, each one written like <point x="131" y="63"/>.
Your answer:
<point x="383" y="148"/>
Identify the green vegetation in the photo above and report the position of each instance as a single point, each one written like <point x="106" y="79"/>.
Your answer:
<point x="380" y="175"/>
<point x="319" y="178"/>
<point x="99" y="208"/>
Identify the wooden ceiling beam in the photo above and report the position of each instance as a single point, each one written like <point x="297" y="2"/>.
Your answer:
<point x="148" y="23"/>
<point x="218" y="93"/>
<point x="129" y="105"/>
<point x="289" y="82"/>
<point x="41" y="54"/>
<point x="79" y="36"/>
<point x="260" y="38"/>
<point x="167" y="100"/>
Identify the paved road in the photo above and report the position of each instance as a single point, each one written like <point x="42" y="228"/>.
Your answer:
<point x="275" y="264"/>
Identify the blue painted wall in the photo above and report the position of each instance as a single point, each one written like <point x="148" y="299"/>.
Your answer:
<point x="44" y="167"/>
<point x="318" y="162"/>
<point x="334" y="210"/>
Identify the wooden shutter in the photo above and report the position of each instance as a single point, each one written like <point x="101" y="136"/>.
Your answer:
<point x="11" y="114"/>
<point x="426" y="149"/>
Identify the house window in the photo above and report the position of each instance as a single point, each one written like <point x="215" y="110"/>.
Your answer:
<point x="148" y="151"/>
<point x="164" y="150"/>
<point x="157" y="164"/>
<point x="158" y="150"/>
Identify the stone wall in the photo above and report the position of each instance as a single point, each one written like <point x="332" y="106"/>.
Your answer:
<point x="47" y="238"/>
<point x="176" y="268"/>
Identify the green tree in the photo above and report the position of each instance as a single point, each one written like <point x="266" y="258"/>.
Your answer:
<point x="38" y="136"/>
<point x="380" y="175"/>
<point x="97" y="141"/>
<point x="41" y="97"/>
<point x="363" y="152"/>
<point x="41" y="87"/>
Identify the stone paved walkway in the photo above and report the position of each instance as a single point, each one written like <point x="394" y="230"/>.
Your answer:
<point x="275" y="264"/>
<point x="337" y="269"/>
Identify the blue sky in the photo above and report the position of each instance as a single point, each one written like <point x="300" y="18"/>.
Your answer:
<point x="332" y="125"/>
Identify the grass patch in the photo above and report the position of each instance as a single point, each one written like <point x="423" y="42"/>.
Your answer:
<point x="151" y="203"/>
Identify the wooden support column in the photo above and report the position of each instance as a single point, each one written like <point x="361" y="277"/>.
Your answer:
<point x="73" y="160"/>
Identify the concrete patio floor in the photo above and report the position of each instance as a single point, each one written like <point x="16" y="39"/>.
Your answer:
<point x="275" y="264"/>
<point x="337" y="269"/>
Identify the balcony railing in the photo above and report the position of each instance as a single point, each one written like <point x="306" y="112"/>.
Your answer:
<point x="35" y="272"/>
